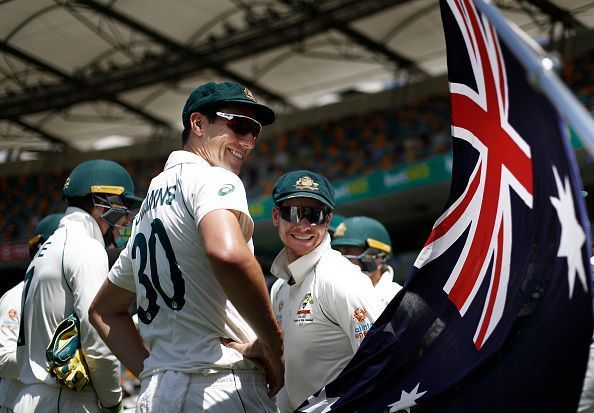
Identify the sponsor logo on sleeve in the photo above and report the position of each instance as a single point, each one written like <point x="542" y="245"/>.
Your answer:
<point x="361" y="329"/>
<point x="360" y="314"/>
<point x="226" y="189"/>
<point x="11" y="322"/>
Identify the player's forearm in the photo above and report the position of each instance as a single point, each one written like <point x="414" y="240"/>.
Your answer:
<point x="109" y="315"/>
<point x="120" y="335"/>
<point x="243" y="283"/>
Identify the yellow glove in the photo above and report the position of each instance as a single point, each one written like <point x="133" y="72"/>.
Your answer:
<point x="73" y="374"/>
<point x="66" y="362"/>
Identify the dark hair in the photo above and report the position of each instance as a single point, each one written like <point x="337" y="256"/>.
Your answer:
<point x="209" y="112"/>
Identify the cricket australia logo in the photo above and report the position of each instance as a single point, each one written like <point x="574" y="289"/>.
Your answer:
<point x="305" y="182"/>
<point x="248" y="93"/>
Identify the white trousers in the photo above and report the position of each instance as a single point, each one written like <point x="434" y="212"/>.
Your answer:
<point x="225" y="392"/>
<point x="42" y="398"/>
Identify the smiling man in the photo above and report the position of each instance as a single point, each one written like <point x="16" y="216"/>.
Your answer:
<point x="323" y="302"/>
<point x="209" y="341"/>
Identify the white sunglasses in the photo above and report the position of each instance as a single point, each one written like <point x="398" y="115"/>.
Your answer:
<point x="241" y="124"/>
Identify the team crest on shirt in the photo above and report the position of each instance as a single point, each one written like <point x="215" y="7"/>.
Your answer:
<point x="226" y="189"/>
<point x="304" y="315"/>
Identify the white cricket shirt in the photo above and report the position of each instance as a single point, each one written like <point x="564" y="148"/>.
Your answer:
<point x="182" y="309"/>
<point x="62" y="279"/>
<point x="324" y="315"/>
<point x="386" y="288"/>
<point x="10" y="310"/>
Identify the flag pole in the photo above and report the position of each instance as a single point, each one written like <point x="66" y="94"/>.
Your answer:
<point x="540" y="67"/>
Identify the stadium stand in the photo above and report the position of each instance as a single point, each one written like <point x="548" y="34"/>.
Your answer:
<point x="339" y="148"/>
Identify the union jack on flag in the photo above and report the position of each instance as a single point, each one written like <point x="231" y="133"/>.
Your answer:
<point x="496" y="315"/>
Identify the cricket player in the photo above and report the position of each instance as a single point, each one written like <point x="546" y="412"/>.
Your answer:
<point x="62" y="279"/>
<point x="324" y="303"/>
<point x="366" y="242"/>
<point x="10" y="309"/>
<point x="208" y="340"/>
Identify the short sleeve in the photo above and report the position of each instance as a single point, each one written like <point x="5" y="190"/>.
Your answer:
<point x="351" y="301"/>
<point x="221" y="189"/>
<point x="122" y="272"/>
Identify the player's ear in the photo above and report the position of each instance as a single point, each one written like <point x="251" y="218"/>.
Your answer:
<point x="328" y="220"/>
<point x="196" y="123"/>
<point x="276" y="216"/>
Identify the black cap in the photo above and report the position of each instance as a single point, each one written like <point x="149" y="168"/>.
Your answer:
<point x="303" y="184"/>
<point x="211" y="94"/>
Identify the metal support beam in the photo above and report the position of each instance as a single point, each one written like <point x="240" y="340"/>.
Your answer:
<point x="376" y="47"/>
<point x="178" y="48"/>
<point x="58" y="73"/>
<point x="214" y="53"/>
<point x="558" y="14"/>
<point x="62" y="146"/>
<point x="310" y="10"/>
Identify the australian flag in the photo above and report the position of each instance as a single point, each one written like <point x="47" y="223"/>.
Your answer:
<point x="496" y="315"/>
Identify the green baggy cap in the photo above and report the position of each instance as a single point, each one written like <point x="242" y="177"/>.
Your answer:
<point x="214" y="94"/>
<point x="303" y="184"/>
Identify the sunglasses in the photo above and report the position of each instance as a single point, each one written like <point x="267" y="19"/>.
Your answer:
<point x="241" y="124"/>
<point x="294" y="214"/>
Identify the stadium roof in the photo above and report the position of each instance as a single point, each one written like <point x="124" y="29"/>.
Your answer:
<point x="77" y="75"/>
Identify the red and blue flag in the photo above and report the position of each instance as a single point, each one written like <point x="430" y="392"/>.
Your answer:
<point x="496" y="315"/>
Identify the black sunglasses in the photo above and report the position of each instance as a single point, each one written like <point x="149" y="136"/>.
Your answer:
<point x="294" y="214"/>
<point x="241" y="124"/>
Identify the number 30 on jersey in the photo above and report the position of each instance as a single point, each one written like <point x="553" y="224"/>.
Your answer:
<point x="140" y="248"/>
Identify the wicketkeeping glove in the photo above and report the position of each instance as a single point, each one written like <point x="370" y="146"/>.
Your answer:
<point x="66" y="362"/>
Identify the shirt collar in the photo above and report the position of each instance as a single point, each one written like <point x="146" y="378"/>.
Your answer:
<point x="77" y="216"/>
<point x="386" y="278"/>
<point x="301" y="267"/>
<point x="179" y="157"/>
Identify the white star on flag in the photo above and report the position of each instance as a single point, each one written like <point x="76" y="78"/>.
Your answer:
<point x="319" y="403"/>
<point x="406" y="399"/>
<point x="572" y="234"/>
